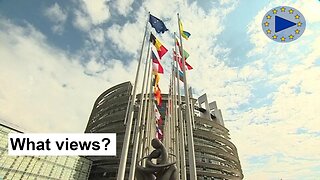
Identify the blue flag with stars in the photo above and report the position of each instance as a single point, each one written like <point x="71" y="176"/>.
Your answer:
<point x="157" y="24"/>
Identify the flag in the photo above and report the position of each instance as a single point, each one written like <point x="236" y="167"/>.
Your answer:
<point x="157" y="24"/>
<point x="156" y="66"/>
<point x="156" y="80"/>
<point x="157" y="96"/>
<point x="185" y="53"/>
<point x="180" y="74"/>
<point x="183" y="33"/>
<point x="157" y="44"/>
<point x="188" y="66"/>
<point x="156" y="90"/>
<point x="178" y="58"/>
<point x="157" y="115"/>
<point x="159" y="134"/>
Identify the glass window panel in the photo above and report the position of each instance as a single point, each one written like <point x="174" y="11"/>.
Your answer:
<point x="17" y="175"/>
<point x="2" y="172"/>
<point x="32" y="177"/>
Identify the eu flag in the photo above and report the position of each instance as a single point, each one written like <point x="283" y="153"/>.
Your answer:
<point x="157" y="24"/>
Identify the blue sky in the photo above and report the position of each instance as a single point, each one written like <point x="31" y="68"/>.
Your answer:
<point x="58" y="56"/>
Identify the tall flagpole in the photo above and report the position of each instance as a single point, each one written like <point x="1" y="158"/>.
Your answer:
<point x="192" y="160"/>
<point x="172" y="121"/>
<point x="149" y="122"/>
<point x="145" y="105"/>
<point x="149" y="119"/>
<point x="126" y="141"/>
<point x="181" y="120"/>
<point x="168" y="119"/>
<point x="175" y="123"/>
<point x="138" y="127"/>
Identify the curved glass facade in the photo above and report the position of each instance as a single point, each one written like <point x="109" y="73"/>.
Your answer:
<point x="107" y="116"/>
<point x="216" y="155"/>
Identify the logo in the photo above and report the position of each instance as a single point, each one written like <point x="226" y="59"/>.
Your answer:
<point x="283" y="24"/>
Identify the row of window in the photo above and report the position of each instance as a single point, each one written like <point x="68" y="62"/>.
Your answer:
<point x="110" y="97"/>
<point x="39" y="167"/>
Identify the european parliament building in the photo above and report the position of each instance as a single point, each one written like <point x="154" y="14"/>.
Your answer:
<point x="216" y="156"/>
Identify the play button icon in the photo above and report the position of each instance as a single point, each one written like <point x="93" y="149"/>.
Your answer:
<point x="283" y="24"/>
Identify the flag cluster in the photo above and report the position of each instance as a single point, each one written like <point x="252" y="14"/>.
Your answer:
<point x="161" y="50"/>
<point x="157" y="68"/>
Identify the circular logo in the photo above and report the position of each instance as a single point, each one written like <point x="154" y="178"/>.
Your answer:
<point x="283" y="24"/>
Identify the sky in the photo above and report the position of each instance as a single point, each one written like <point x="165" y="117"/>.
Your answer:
<point x="57" y="57"/>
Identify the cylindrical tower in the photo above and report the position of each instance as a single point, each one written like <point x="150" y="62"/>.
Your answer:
<point x="216" y="156"/>
<point x="107" y="116"/>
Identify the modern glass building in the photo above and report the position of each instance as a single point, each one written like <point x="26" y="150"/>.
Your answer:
<point x="39" y="167"/>
<point x="108" y="116"/>
<point x="216" y="155"/>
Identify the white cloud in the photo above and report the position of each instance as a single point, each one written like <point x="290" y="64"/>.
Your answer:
<point x="280" y="67"/>
<point x="253" y="71"/>
<point x="97" y="35"/>
<point x="58" y="16"/>
<point x="82" y="21"/>
<point x="309" y="10"/>
<point x="123" y="6"/>
<point x="43" y="89"/>
<point x="98" y="10"/>
<point x="91" y="13"/>
<point x="93" y="66"/>
<point x="123" y="37"/>
<point x="273" y="129"/>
